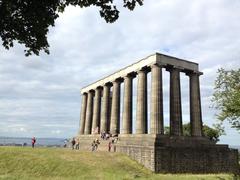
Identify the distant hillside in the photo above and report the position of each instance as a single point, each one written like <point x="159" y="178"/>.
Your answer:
<point x="58" y="163"/>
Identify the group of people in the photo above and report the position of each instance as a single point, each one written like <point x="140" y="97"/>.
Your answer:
<point x="112" y="140"/>
<point x="75" y="142"/>
<point x="112" y="144"/>
<point x="106" y="136"/>
<point x="95" y="144"/>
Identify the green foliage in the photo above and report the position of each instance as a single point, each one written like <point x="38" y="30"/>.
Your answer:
<point x="212" y="133"/>
<point x="50" y="163"/>
<point x="28" y="21"/>
<point x="226" y="97"/>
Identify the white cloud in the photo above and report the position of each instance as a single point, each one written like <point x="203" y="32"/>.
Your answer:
<point x="42" y="93"/>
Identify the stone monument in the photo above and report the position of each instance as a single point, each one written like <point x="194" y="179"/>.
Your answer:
<point x="173" y="153"/>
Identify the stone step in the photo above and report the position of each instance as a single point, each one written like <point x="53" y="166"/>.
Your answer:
<point x="86" y="143"/>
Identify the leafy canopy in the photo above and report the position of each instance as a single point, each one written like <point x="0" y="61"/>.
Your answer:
<point x="226" y="96"/>
<point x="28" y="21"/>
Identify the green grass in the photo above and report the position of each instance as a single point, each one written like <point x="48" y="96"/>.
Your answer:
<point x="56" y="163"/>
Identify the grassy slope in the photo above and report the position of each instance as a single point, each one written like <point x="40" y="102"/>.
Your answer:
<point x="50" y="163"/>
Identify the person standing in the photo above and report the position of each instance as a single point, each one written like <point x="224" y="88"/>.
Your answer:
<point x="33" y="142"/>
<point x="77" y="144"/>
<point x="73" y="143"/>
<point x="109" y="145"/>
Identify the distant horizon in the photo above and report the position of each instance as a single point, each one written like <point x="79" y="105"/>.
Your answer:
<point x="35" y="137"/>
<point x="238" y="145"/>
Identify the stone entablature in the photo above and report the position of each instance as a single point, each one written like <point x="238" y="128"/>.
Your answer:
<point x="157" y="58"/>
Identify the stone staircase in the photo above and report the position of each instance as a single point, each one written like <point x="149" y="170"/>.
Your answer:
<point x="86" y="143"/>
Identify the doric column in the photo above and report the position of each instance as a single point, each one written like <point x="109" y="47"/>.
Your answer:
<point x="127" y="105"/>
<point x="105" y="108"/>
<point x="115" y="110"/>
<point x="156" y="101"/>
<point x="175" y="103"/>
<point x="96" y="111"/>
<point x="83" y="113"/>
<point x="141" y="120"/>
<point x="195" y="105"/>
<point x="89" y="113"/>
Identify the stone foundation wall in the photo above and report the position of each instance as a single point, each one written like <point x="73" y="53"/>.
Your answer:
<point x="144" y="156"/>
<point x="179" y="154"/>
<point x="196" y="160"/>
<point x="172" y="154"/>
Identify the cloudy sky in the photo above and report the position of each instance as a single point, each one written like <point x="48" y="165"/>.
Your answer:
<point x="40" y="96"/>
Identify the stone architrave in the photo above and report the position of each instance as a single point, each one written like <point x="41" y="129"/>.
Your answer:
<point x="141" y="121"/>
<point x="89" y="113"/>
<point x="127" y="105"/>
<point x="175" y="103"/>
<point x="195" y="105"/>
<point x="105" y="108"/>
<point x="83" y="113"/>
<point x="96" y="111"/>
<point x="156" y="123"/>
<point x="115" y="110"/>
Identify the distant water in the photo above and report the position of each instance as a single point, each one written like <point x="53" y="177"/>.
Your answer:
<point x="40" y="141"/>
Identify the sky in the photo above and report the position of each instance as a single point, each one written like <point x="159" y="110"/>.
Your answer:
<point x="40" y="95"/>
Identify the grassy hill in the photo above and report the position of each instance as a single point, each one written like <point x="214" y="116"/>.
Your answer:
<point x="56" y="163"/>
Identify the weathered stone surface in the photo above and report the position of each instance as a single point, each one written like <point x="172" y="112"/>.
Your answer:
<point x="165" y="154"/>
<point x="156" y="58"/>
<point x="89" y="113"/>
<point x="195" y="105"/>
<point x="141" y="120"/>
<point x="105" y="108"/>
<point x="179" y="155"/>
<point x="96" y="111"/>
<point x="127" y="105"/>
<point x="175" y="103"/>
<point x="83" y="113"/>
<point x="115" y="110"/>
<point x="156" y="126"/>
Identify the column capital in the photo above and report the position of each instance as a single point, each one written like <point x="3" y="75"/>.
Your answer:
<point x="193" y="73"/>
<point x="156" y="65"/>
<point x="118" y="80"/>
<point x="130" y="75"/>
<point x="171" y="68"/>
<point x="145" y="69"/>
<point x="109" y="84"/>
<point x="85" y="93"/>
<point x="99" y="88"/>
<point x="91" y="91"/>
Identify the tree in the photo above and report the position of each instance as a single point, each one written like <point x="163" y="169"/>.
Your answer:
<point x="212" y="134"/>
<point x="226" y="97"/>
<point x="28" y="21"/>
